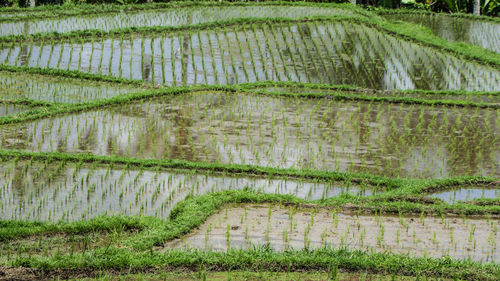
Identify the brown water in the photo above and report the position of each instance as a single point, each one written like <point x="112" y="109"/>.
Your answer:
<point x="386" y="139"/>
<point x="284" y="228"/>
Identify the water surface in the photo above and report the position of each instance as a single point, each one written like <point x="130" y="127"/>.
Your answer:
<point x="318" y="52"/>
<point x="386" y="139"/>
<point x="481" y="33"/>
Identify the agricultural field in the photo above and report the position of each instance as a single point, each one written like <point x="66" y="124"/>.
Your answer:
<point x="248" y="141"/>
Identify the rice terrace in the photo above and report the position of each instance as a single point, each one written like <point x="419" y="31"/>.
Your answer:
<point x="249" y="140"/>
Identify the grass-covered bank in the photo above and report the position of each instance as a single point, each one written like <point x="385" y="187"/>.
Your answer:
<point x="260" y="260"/>
<point x="332" y="92"/>
<point x="236" y="141"/>
<point x="402" y="30"/>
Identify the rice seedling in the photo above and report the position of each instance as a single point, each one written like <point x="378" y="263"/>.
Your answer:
<point x="15" y="86"/>
<point x="466" y="194"/>
<point x="397" y="147"/>
<point x="481" y="33"/>
<point x="382" y="70"/>
<point x="12" y="109"/>
<point x="70" y="192"/>
<point x="298" y="136"/>
<point x="318" y="231"/>
<point x="162" y="17"/>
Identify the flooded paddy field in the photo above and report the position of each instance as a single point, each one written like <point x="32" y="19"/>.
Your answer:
<point x="15" y="86"/>
<point x="467" y="193"/>
<point x="476" y="32"/>
<point x="162" y="17"/>
<point x="315" y="52"/>
<point x="38" y="191"/>
<point x="474" y="97"/>
<point x="202" y="139"/>
<point x="283" y="228"/>
<point x="217" y="127"/>
<point x="12" y="109"/>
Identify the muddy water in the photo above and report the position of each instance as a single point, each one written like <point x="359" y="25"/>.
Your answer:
<point x="284" y="228"/>
<point x="334" y="53"/>
<point x="482" y="33"/>
<point x="44" y="88"/>
<point x="467" y="194"/>
<point x="11" y="109"/>
<point x="387" y="139"/>
<point x="163" y="17"/>
<point x="52" y="192"/>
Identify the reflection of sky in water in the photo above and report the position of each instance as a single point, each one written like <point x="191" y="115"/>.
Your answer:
<point x="10" y="109"/>
<point x="482" y="33"/>
<point x="333" y="53"/>
<point x="282" y="228"/>
<point x="164" y="17"/>
<point x="489" y="97"/>
<point x="44" y="88"/>
<point x="466" y="194"/>
<point x="87" y="192"/>
<point x="387" y="139"/>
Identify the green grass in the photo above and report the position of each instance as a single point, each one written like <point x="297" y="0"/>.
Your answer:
<point x="402" y="30"/>
<point x="136" y="252"/>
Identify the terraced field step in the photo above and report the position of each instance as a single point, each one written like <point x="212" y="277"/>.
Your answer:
<point x="164" y="17"/>
<point x="217" y="127"/>
<point x="17" y="85"/>
<point x="37" y="191"/>
<point x="467" y="193"/>
<point x="12" y="109"/>
<point x="284" y="228"/>
<point x="491" y="98"/>
<point x="314" y="52"/>
<point x="477" y="32"/>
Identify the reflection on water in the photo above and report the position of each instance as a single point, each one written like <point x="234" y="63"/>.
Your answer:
<point x="36" y="191"/>
<point x="476" y="97"/>
<point x="163" y="17"/>
<point x="46" y="88"/>
<point x="387" y="139"/>
<point x="318" y="52"/>
<point x="466" y="194"/>
<point x="283" y="228"/>
<point x="482" y="33"/>
<point x="11" y="109"/>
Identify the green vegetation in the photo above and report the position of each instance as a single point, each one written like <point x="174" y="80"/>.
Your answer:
<point x="244" y="140"/>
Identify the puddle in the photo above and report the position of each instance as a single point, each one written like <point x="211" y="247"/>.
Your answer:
<point x="378" y="138"/>
<point x="331" y="53"/>
<point x="35" y="191"/>
<point x="466" y="194"/>
<point x="284" y="228"/>
<point x="163" y="17"/>
<point x="57" y="89"/>
<point x="12" y="109"/>
<point x="476" y="32"/>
